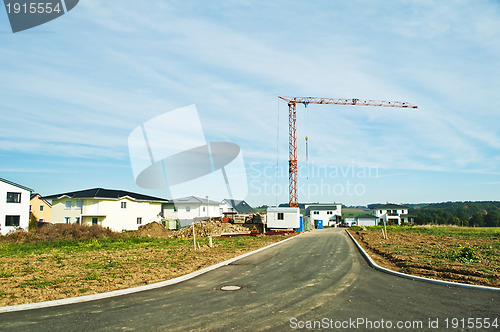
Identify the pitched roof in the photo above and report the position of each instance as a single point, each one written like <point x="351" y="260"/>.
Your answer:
<point x="105" y="193"/>
<point x="15" y="184"/>
<point x="193" y="200"/>
<point x="389" y="206"/>
<point x="239" y="205"/>
<point x="40" y="197"/>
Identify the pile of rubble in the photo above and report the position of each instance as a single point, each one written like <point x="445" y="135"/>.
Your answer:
<point x="203" y="229"/>
<point x="153" y="229"/>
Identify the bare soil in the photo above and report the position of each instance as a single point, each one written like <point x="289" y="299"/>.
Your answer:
<point x="56" y="275"/>
<point x="434" y="256"/>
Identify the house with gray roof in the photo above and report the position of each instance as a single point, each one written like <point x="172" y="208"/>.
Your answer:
<point x="237" y="206"/>
<point x="392" y="214"/>
<point x="14" y="206"/>
<point x="117" y="209"/>
<point x="324" y="214"/>
<point x="191" y="208"/>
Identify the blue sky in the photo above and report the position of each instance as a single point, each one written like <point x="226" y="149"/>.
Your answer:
<point x="72" y="90"/>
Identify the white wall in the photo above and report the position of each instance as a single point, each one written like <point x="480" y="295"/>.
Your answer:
<point x="13" y="209"/>
<point x="367" y="222"/>
<point x="109" y="212"/>
<point x="385" y="214"/>
<point x="291" y="217"/>
<point x="195" y="210"/>
<point x="324" y="215"/>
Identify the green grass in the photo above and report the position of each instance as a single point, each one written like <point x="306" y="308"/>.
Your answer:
<point x="74" y="246"/>
<point x="490" y="232"/>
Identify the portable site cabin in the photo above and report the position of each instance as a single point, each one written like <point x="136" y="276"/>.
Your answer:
<point x="283" y="217"/>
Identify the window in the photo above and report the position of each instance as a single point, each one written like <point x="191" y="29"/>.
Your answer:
<point x="188" y="208"/>
<point x="380" y="211"/>
<point x="139" y="221"/>
<point x="77" y="220"/>
<point x="79" y="204"/>
<point x="221" y="211"/>
<point x="94" y="221"/>
<point x="175" y="208"/>
<point x="203" y="209"/>
<point x="13" y="197"/>
<point x="281" y="216"/>
<point x="40" y="220"/>
<point x="316" y="212"/>
<point x="30" y="208"/>
<point x="41" y="208"/>
<point x="67" y="219"/>
<point x="12" y="220"/>
<point x="67" y="204"/>
<point x="123" y="205"/>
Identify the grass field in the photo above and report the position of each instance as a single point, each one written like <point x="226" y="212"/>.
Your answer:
<point x="353" y="213"/>
<point x="463" y="254"/>
<point x="54" y="269"/>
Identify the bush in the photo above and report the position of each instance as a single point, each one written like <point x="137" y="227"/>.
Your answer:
<point x="58" y="232"/>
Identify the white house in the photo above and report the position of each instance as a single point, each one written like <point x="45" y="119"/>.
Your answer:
<point x="391" y="214"/>
<point x="188" y="209"/>
<point x="117" y="209"/>
<point x="327" y="214"/>
<point x="366" y="220"/>
<point x="283" y="217"/>
<point x="237" y="206"/>
<point x="14" y="206"/>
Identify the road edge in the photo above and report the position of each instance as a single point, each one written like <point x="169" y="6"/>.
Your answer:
<point x="100" y="296"/>
<point x="374" y="265"/>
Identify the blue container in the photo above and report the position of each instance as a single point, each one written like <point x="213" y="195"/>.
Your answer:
<point x="320" y="224"/>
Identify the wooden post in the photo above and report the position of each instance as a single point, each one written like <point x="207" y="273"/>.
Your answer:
<point x="194" y="238"/>
<point x="210" y="241"/>
<point x="385" y="228"/>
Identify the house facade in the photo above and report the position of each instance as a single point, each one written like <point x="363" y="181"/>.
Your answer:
<point x="14" y="206"/>
<point x="187" y="209"/>
<point x="391" y="214"/>
<point x="40" y="208"/>
<point x="324" y="214"/>
<point x="117" y="209"/>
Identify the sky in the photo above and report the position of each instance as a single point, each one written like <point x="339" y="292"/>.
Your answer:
<point x="73" y="90"/>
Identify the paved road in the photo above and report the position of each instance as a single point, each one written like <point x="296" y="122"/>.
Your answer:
<point x="318" y="276"/>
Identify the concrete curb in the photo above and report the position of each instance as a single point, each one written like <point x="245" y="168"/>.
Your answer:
<point x="100" y="296"/>
<point x="412" y="277"/>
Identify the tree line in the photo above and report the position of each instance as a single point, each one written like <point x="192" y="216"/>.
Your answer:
<point x="472" y="214"/>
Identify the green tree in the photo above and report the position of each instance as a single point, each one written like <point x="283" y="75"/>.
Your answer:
<point x="33" y="225"/>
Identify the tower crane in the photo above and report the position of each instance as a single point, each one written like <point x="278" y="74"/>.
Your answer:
<point x="292" y="130"/>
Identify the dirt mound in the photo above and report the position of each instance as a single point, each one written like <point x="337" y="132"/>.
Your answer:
<point x="153" y="229"/>
<point x="204" y="229"/>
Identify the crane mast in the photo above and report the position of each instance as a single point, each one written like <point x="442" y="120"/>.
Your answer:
<point x="292" y="130"/>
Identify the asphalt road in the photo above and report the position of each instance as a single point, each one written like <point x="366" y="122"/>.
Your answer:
<point x="319" y="276"/>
